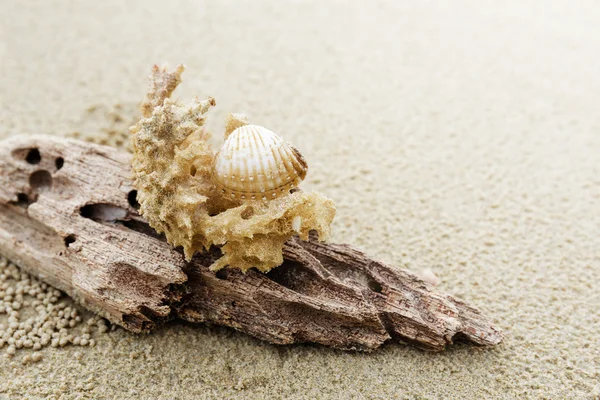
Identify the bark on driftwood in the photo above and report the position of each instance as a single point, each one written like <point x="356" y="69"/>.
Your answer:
<point x="68" y="215"/>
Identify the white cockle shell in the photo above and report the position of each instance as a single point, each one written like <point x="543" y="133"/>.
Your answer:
<point x="256" y="164"/>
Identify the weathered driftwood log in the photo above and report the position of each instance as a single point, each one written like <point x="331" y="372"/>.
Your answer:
<point x="68" y="215"/>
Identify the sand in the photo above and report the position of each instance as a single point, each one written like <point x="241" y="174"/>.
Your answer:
<point x="462" y="138"/>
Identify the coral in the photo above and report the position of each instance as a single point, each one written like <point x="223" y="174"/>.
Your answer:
<point x="172" y="169"/>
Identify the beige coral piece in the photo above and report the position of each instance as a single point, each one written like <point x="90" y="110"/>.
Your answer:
<point x="173" y="173"/>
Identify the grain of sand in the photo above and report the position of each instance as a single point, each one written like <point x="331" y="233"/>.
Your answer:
<point x="463" y="138"/>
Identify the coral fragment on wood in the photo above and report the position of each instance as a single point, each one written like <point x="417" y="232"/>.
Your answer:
<point x="238" y="199"/>
<point x="78" y="229"/>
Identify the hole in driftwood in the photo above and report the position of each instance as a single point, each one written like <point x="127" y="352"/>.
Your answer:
<point x="132" y="199"/>
<point x="460" y="337"/>
<point x="23" y="200"/>
<point x="33" y="156"/>
<point x="375" y="286"/>
<point x="297" y="277"/>
<point x="346" y="272"/>
<point x="59" y="162"/>
<point x="193" y="170"/>
<point x="40" y="180"/>
<point x="221" y="274"/>
<point x="70" y="240"/>
<point x="102" y="212"/>
<point x="108" y="213"/>
<point x="247" y="213"/>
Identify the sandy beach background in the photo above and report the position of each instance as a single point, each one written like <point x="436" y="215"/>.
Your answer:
<point x="462" y="137"/>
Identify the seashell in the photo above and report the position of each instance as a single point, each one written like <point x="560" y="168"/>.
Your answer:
<point x="256" y="164"/>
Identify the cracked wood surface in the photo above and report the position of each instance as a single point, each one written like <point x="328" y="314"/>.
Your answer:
<point x="68" y="215"/>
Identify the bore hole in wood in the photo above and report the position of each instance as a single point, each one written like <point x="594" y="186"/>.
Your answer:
<point x="460" y="337"/>
<point x="297" y="277"/>
<point x="59" y="162"/>
<point x="375" y="286"/>
<point x="102" y="212"/>
<point x="221" y="274"/>
<point x="247" y="213"/>
<point x="69" y="240"/>
<point x="132" y="199"/>
<point x="40" y="180"/>
<point x="33" y="156"/>
<point x="193" y="170"/>
<point x="86" y="211"/>
<point x="23" y="200"/>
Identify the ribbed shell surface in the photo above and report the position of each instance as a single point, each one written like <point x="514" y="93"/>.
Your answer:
<point x="254" y="163"/>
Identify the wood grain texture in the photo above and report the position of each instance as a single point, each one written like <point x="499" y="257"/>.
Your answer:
<point x="68" y="215"/>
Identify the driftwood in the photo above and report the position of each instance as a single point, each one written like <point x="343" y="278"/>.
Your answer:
<point x="68" y="215"/>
